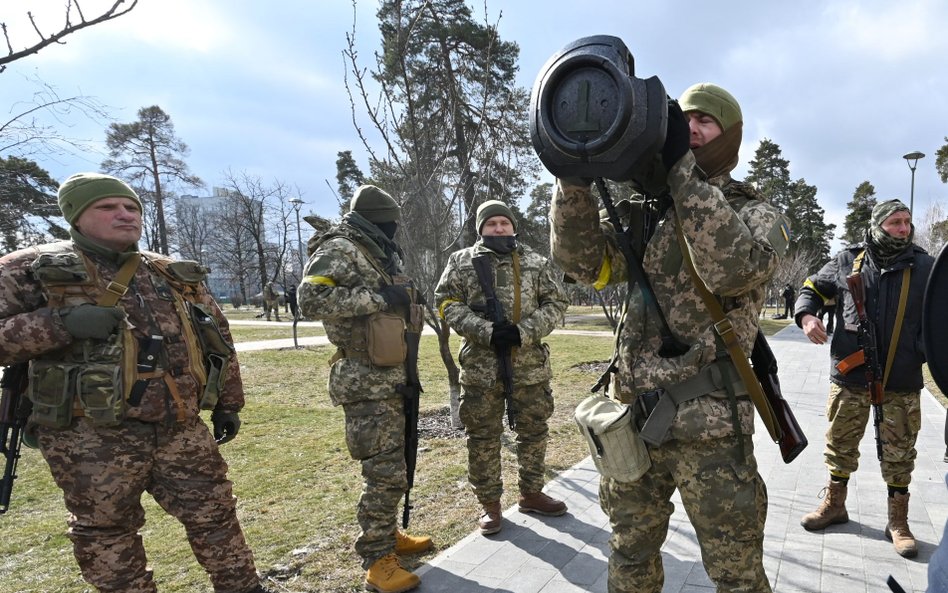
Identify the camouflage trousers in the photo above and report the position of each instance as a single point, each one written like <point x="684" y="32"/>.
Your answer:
<point x="271" y="306"/>
<point x="482" y="413"/>
<point x="103" y="473"/>
<point x="375" y="436"/>
<point x="849" y="411"/>
<point x="725" y="500"/>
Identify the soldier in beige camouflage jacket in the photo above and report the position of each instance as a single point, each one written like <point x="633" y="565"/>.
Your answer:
<point x="354" y="272"/>
<point x="116" y="379"/>
<point x="706" y="451"/>
<point x="526" y="286"/>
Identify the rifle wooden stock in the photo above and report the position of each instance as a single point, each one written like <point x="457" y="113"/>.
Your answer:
<point x="792" y="441"/>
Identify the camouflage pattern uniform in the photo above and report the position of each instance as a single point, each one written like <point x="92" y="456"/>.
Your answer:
<point x="162" y="446"/>
<point x="542" y="303"/>
<point x="735" y="239"/>
<point x="341" y="288"/>
<point x="271" y="301"/>
<point x="848" y="406"/>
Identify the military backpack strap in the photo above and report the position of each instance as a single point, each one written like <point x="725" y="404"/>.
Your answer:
<point x="372" y="261"/>
<point x="117" y="288"/>
<point x="724" y="330"/>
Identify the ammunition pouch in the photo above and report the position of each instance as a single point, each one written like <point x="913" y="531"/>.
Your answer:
<point x="614" y="443"/>
<point x="217" y="353"/>
<point x="385" y="339"/>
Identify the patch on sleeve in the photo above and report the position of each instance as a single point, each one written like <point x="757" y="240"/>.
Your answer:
<point x="779" y="236"/>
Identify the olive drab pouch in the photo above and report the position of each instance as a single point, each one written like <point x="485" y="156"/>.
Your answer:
<point x="385" y="339"/>
<point x="100" y="393"/>
<point x="216" y="350"/>
<point x="614" y="443"/>
<point x="52" y="388"/>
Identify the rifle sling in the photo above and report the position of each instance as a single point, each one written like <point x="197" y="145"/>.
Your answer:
<point x="724" y="330"/>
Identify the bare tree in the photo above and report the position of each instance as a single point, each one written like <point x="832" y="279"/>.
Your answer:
<point x="793" y="269"/>
<point x="931" y="229"/>
<point x="38" y="125"/>
<point x="264" y="213"/>
<point x="75" y="21"/>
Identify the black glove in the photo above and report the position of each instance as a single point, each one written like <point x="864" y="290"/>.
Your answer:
<point x="226" y="425"/>
<point x="91" y="321"/>
<point x="396" y="296"/>
<point x="505" y="335"/>
<point x="677" y="136"/>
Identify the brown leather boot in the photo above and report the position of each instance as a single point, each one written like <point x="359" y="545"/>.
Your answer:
<point x="386" y="575"/>
<point x="831" y="511"/>
<point x="541" y="504"/>
<point x="411" y="544"/>
<point x="490" y="519"/>
<point x="897" y="531"/>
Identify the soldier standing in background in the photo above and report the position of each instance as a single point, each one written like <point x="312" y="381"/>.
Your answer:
<point x="113" y="420"/>
<point x="271" y="301"/>
<point x="706" y="449"/>
<point x="892" y="268"/>
<point x="354" y="272"/>
<point x="526" y="285"/>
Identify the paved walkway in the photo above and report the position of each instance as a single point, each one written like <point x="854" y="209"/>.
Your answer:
<point x="569" y="554"/>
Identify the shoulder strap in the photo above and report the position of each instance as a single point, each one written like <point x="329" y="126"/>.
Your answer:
<point x="724" y="329"/>
<point x="372" y="261"/>
<point x="516" y="284"/>
<point x="899" y="317"/>
<point x="117" y="288"/>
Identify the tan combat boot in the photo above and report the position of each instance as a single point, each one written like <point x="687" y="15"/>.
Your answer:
<point x="490" y="519"/>
<point x="831" y="511"/>
<point x="411" y="544"/>
<point x="897" y="531"/>
<point x="386" y="575"/>
<point x="541" y="504"/>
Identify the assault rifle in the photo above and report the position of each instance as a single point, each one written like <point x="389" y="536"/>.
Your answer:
<point x="411" y="392"/>
<point x="12" y="423"/>
<point x="495" y="314"/>
<point x="867" y="341"/>
<point x="792" y="441"/>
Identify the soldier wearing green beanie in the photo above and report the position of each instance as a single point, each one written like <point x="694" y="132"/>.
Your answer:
<point x="527" y="287"/>
<point x="710" y="232"/>
<point x="128" y="422"/>
<point x="79" y="191"/>
<point x="354" y="284"/>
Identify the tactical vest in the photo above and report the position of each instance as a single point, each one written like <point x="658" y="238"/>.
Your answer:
<point x="98" y="379"/>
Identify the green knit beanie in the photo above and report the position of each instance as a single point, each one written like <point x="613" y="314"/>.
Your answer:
<point x="374" y="204"/>
<point x="492" y="208"/>
<point x="713" y="100"/>
<point x="82" y="189"/>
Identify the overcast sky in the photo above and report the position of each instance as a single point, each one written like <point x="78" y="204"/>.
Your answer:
<point x="845" y="87"/>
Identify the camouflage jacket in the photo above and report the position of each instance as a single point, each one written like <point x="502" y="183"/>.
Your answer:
<point x="340" y="287"/>
<point x="542" y="305"/>
<point x="735" y="239"/>
<point x="31" y="329"/>
<point x="883" y="287"/>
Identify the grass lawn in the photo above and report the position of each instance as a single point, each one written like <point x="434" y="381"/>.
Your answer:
<point x="297" y="486"/>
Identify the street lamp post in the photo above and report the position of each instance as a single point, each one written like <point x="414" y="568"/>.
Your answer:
<point x="297" y="204"/>
<point x="911" y="160"/>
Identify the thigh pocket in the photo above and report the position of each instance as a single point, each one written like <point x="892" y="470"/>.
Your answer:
<point x="364" y="429"/>
<point x="740" y="514"/>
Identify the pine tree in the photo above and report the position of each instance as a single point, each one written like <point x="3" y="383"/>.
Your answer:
<point x="860" y="211"/>
<point x="770" y="173"/>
